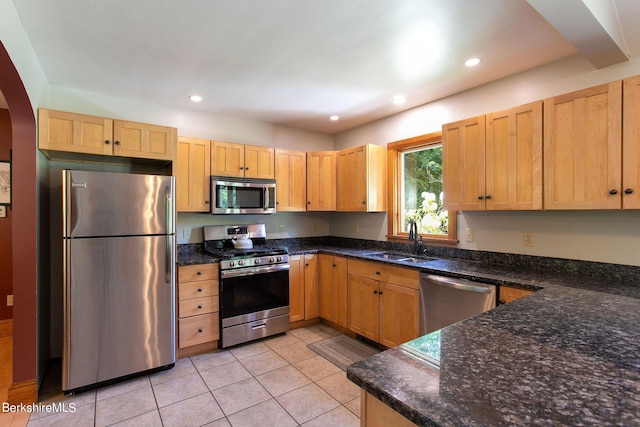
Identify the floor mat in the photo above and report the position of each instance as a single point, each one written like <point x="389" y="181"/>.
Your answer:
<point x="342" y="350"/>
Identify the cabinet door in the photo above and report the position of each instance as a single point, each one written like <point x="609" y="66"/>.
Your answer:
<point x="399" y="318"/>
<point x="78" y="133"/>
<point x="463" y="163"/>
<point x="144" y="141"/>
<point x="363" y="306"/>
<point x="311" y="289"/>
<point x="259" y="162"/>
<point x="193" y="175"/>
<point x="296" y="288"/>
<point x="227" y="159"/>
<point x="291" y="190"/>
<point x="326" y="288"/>
<point x="321" y="181"/>
<point x="514" y="158"/>
<point x="352" y="177"/>
<point x="340" y="289"/>
<point x="631" y="144"/>
<point x="508" y="294"/>
<point x="582" y="149"/>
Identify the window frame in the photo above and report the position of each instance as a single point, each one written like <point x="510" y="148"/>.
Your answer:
<point x="394" y="157"/>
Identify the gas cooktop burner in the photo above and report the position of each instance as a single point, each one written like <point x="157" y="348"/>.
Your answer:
<point x="232" y="253"/>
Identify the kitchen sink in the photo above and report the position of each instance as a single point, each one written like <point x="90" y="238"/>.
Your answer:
<point x="393" y="256"/>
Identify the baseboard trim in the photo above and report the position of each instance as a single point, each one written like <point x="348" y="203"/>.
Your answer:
<point x="25" y="392"/>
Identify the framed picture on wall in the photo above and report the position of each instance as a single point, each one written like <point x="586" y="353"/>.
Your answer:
<point x="5" y="182"/>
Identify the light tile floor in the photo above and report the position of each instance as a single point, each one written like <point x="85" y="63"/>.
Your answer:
<point x="277" y="381"/>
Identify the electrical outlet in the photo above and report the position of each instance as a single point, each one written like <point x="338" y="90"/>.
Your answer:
<point x="469" y="234"/>
<point x="527" y="239"/>
<point x="355" y="228"/>
<point x="282" y="228"/>
<point x="315" y="227"/>
<point x="186" y="233"/>
<point x="9" y="300"/>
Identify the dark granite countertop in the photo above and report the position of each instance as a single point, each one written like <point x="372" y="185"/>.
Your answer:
<point x="569" y="354"/>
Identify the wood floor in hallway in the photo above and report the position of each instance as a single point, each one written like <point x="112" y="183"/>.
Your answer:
<point x="8" y="419"/>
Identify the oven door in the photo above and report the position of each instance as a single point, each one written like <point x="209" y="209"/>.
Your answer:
<point x="254" y="293"/>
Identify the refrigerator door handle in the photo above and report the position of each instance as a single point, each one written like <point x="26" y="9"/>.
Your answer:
<point x="168" y="203"/>
<point x="170" y="261"/>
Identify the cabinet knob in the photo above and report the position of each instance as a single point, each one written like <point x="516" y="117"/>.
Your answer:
<point x="117" y="142"/>
<point x="199" y="330"/>
<point x="199" y="273"/>
<point x="378" y="273"/>
<point x="488" y="197"/>
<point x="380" y="293"/>
<point x="375" y="292"/>
<point x="308" y="202"/>
<point x="501" y="302"/>
<point x="206" y="202"/>
<point x="306" y="265"/>
<point x="107" y="142"/>
<point x="200" y="306"/>
<point x="241" y="168"/>
<point x="246" y="168"/>
<point x="628" y="191"/>
<point x="480" y="197"/>
<point x="364" y="202"/>
<point x="334" y="265"/>
<point x="199" y="289"/>
<point x="613" y="192"/>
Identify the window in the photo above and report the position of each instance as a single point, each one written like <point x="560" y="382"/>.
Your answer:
<point x="415" y="190"/>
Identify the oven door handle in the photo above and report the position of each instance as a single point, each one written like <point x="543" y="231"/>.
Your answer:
<point x="250" y="271"/>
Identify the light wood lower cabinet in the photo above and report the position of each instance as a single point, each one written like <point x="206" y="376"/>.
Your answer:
<point x="332" y="282"/>
<point x="507" y="294"/>
<point x="374" y="413"/>
<point x="303" y="287"/>
<point x="383" y="302"/>
<point x="198" y="305"/>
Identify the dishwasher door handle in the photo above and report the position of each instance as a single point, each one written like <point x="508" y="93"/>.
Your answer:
<point x="460" y="284"/>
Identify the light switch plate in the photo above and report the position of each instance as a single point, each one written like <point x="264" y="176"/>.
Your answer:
<point x="3" y="211"/>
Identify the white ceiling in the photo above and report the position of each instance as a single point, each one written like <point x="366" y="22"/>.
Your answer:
<point x="296" y="62"/>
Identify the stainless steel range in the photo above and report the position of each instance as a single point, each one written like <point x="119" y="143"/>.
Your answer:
<point x="254" y="282"/>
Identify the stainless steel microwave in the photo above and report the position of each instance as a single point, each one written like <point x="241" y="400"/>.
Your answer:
<point x="242" y="195"/>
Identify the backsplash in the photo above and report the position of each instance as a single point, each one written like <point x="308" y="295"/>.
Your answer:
<point x="534" y="263"/>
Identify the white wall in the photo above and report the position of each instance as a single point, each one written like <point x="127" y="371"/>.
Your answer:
<point x="604" y="236"/>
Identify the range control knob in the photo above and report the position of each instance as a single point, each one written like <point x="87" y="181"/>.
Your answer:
<point x="232" y="263"/>
<point x="272" y="259"/>
<point x="278" y="258"/>
<point x="241" y="262"/>
<point x="257" y="261"/>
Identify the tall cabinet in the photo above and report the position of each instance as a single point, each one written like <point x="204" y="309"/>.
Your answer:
<point x="193" y="175"/>
<point x="290" y="170"/>
<point x="321" y="181"/>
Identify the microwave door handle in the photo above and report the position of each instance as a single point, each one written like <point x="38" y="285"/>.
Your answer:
<point x="266" y="198"/>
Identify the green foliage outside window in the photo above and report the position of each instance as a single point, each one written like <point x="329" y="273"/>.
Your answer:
<point x="422" y="197"/>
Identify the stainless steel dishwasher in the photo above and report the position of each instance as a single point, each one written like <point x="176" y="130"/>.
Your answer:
<point x="447" y="300"/>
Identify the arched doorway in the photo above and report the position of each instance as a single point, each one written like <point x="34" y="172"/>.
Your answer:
<point x="24" y="231"/>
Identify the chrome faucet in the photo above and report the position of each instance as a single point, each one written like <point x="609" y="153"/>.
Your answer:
<point x="418" y="247"/>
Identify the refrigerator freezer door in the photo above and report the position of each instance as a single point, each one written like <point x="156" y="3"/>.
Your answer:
<point x="119" y="301"/>
<point x="116" y="204"/>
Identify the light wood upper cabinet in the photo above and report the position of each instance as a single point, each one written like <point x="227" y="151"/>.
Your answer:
<point x="332" y="278"/>
<point x="193" y="175"/>
<point x="230" y="159"/>
<point x="143" y="140"/>
<point x="513" y="156"/>
<point x="362" y="179"/>
<point x="583" y="148"/>
<point x="463" y="164"/>
<point x="321" y="181"/>
<point x="80" y="133"/>
<point x="291" y="190"/>
<point x="631" y="144"/>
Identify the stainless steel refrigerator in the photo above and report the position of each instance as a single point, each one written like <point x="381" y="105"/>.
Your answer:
<point x="119" y="276"/>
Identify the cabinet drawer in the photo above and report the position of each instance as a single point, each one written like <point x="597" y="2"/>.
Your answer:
<point x="190" y="290"/>
<point x="385" y="273"/>
<point x="196" y="306"/>
<point x="192" y="273"/>
<point x="198" y="329"/>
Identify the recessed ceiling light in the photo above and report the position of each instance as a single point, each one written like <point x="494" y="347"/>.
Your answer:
<point x="334" y="118"/>
<point x="472" y="62"/>
<point x="398" y="99"/>
<point x="195" y="98"/>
